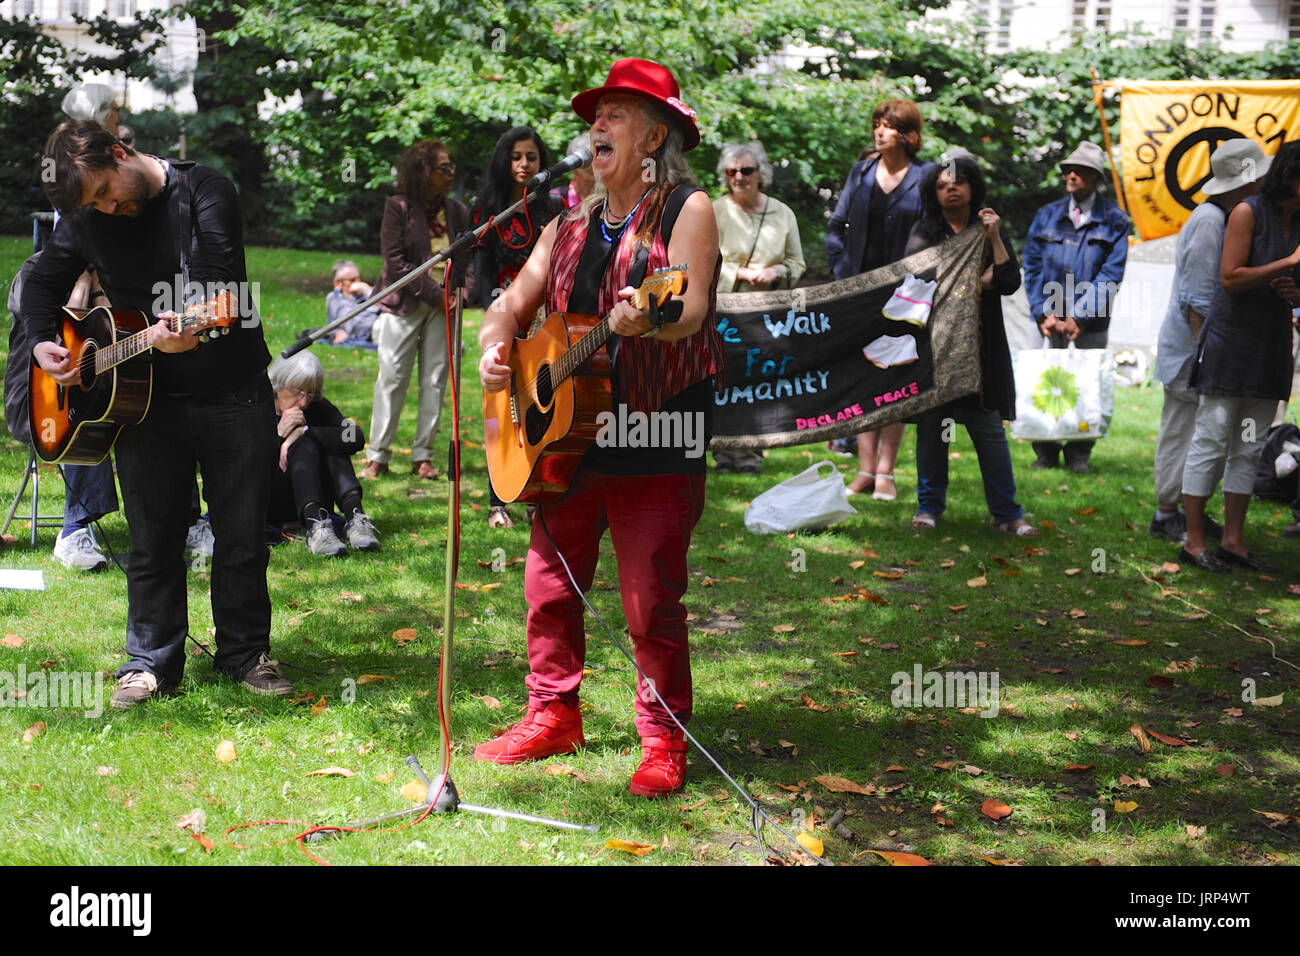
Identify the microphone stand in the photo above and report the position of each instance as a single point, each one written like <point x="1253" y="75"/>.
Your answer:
<point x="464" y="240"/>
<point x="441" y="795"/>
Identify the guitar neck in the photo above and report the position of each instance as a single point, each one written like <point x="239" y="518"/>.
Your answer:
<point x="582" y="350"/>
<point x="125" y="349"/>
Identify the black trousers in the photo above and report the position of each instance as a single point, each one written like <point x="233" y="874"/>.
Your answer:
<point x="231" y="437"/>
<point x="313" y="474"/>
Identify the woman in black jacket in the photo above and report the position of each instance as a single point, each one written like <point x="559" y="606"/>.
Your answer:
<point x="951" y="194"/>
<point x="314" y="472"/>
<point x="869" y="228"/>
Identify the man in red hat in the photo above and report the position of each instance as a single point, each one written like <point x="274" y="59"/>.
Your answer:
<point x="644" y="213"/>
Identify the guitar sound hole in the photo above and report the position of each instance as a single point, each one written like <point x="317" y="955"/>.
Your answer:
<point x="536" y="422"/>
<point x="545" y="390"/>
<point x="87" y="363"/>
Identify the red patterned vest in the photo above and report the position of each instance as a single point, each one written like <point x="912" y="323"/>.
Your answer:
<point x="649" y="372"/>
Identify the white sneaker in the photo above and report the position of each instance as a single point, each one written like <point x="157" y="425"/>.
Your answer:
<point x="361" y="533"/>
<point x="199" y="541"/>
<point x="79" y="551"/>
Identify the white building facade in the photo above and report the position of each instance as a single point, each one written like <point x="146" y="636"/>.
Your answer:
<point x="178" y="57"/>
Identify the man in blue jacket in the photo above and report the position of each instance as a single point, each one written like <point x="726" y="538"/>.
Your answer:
<point x="1074" y="262"/>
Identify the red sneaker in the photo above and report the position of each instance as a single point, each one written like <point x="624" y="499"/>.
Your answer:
<point x="544" y="732"/>
<point x="663" y="765"/>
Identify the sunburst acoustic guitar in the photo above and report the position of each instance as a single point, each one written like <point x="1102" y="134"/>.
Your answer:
<point x="77" y="424"/>
<point x="537" y="429"/>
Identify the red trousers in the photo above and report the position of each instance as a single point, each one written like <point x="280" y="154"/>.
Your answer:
<point x="650" y="519"/>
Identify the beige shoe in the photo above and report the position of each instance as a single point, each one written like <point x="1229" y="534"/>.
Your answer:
<point x="134" y="688"/>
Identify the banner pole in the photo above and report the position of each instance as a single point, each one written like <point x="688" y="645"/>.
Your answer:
<point x="1097" y="87"/>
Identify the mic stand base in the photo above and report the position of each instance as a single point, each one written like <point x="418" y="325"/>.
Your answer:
<point x="448" y="801"/>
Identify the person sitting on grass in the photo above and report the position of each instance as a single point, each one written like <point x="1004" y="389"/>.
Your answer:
<point x="314" y="472"/>
<point x="349" y="292"/>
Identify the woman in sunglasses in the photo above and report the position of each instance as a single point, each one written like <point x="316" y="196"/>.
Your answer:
<point x="418" y="222"/>
<point x="759" y="238"/>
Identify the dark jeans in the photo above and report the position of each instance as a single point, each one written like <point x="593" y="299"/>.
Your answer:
<point x="89" y="494"/>
<point x="232" y="438"/>
<point x="1075" y="451"/>
<point x="313" y="475"/>
<point x="990" y="439"/>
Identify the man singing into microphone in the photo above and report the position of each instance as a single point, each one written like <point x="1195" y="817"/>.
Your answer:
<point x="147" y="224"/>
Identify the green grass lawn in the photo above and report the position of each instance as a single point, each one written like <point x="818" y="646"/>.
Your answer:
<point x="793" y="668"/>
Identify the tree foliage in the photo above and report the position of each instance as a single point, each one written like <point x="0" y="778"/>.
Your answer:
<point x="356" y="81"/>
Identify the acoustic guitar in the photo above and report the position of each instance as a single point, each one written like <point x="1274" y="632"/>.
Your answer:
<point x="77" y="424"/>
<point x="537" y="429"/>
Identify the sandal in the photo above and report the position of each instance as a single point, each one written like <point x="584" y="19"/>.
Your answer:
<point x="924" y="521"/>
<point x="499" y="517"/>
<point x="886" y="495"/>
<point x="1020" y="528"/>
<point x="850" y="490"/>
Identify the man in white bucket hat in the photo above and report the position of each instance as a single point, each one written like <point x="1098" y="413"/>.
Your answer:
<point x="1074" y="260"/>
<point x="1237" y="165"/>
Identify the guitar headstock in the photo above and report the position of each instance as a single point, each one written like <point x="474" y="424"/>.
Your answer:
<point x="217" y="313"/>
<point x="670" y="280"/>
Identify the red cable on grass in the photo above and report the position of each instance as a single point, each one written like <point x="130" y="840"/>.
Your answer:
<point x="301" y="838"/>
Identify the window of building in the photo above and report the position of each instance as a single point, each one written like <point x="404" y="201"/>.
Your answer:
<point x="1293" y="21"/>
<point x="1207" y="19"/>
<point x="1182" y="15"/>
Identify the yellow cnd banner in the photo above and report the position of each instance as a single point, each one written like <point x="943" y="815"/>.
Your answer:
<point x="1169" y="129"/>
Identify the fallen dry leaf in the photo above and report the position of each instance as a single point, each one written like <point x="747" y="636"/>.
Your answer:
<point x="1141" y="782"/>
<point x="320" y="706"/>
<point x="564" y="770"/>
<point x="12" y="640"/>
<point x="106" y="771"/>
<point x="1125" y="806"/>
<point x="1166" y="740"/>
<point x="1132" y="643"/>
<point x="490" y="702"/>
<point x="1076" y="613"/>
<point x="373" y="679"/>
<point x="34" y="731"/>
<point x="945" y="764"/>
<point x="895" y="768"/>
<point x="1141" y="738"/>
<point x="349" y="596"/>
<point x="810" y="843"/>
<point x="844" y="785"/>
<point x="208" y="845"/>
<point x="1071" y="572"/>
<point x="1194" y="831"/>
<point x="888" y="575"/>
<point x="405" y="635"/>
<point x="1170" y="567"/>
<point x="333" y="772"/>
<point x="628" y="846"/>
<point x="196" y="821"/>
<point x="1078" y="767"/>
<point x="783" y="628"/>
<point x="813" y="705"/>
<point x="1269" y="701"/>
<point x="894" y="858"/>
<point x="1233" y="711"/>
<point x="857" y="565"/>
<point x="225" y="751"/>
<point x="1225" y="769"/>
<point x="971" y="769"/>
<point x="1277" y="819"/>
<point x="995" y="809"/>
<point x="979" y="582"/>
<point x="414" y="791"/>
<point x="1159" y="680"/>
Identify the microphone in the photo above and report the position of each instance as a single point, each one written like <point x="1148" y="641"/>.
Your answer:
<point x="579" y="158"/>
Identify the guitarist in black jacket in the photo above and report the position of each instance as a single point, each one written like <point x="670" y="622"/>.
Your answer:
<point x="154" y="230"/>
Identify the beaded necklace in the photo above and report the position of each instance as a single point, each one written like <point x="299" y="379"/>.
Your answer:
<point x="621" y="224"/>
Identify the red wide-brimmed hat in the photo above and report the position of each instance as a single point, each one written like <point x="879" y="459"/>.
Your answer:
<point x="642" y="78"/>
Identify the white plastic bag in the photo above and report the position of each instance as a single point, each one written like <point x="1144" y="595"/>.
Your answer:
<point x="814" y="498"/>
<point x="1063" y="394"/>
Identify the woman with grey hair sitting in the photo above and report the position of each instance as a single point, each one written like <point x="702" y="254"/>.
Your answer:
<point x="314" y="472"/>
<point x="759" y="239"/>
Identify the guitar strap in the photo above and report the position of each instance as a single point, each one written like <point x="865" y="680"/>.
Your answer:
<point x="636" y="274"/>
<point x="186" y="215"/>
